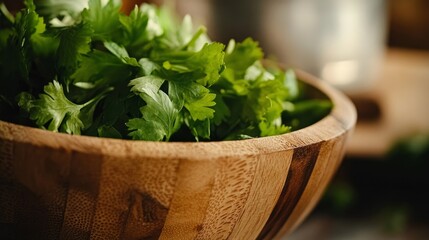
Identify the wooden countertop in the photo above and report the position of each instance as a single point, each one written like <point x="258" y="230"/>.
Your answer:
<point x="402" y="94"/>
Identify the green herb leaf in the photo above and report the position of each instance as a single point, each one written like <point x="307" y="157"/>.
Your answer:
<point x="196" y="99"/>
<point x="74" y="42"/>
<point x="207" y="63"/>
<point x="108" y="132"/>
<point x="242" y="56"/>
<point x="160" y="117"/>
<point x="57" y="112"/>
<point x="103" y="19"/>
<point x="105" y="69"/>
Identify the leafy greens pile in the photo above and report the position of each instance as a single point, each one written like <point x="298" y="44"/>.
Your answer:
<point x="82" y="67"/>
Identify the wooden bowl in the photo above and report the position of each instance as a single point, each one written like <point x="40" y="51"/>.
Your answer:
<point x="58" y="186"/>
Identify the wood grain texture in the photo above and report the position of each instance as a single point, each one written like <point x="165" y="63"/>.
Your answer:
<point x="303" y="161"/>
<point x="58" y="186"/>
<point x="264" y="194"/>
<point x="7" y="184"/>
<point x="321" y="174"/>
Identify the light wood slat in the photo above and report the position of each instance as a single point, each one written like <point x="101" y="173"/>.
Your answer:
<point x="233" y="181"/>
<point x="266" y="188"/>
<point x="195" y="181"/>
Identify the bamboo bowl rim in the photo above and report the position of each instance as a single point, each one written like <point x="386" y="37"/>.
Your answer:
<point x="341" y="119"/>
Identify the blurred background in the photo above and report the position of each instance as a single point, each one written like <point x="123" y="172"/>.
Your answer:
<point x="377" y="53"/>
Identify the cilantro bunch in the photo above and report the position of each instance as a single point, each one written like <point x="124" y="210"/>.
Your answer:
<point x="83" y="67"/>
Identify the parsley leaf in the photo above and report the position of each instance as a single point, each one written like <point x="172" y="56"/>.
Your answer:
<point x="54" y="111"/>
<point x="160" y="117"/>
<point x="207" y="63"/>
<point x="16" y="52"/>
<point x="196" y="99"/>
<point x="243" y="55"/>
<point x="103" y="19"/>
<point x="140" y="29"/>
<point x="74" y="42"/>
<point x="106" y="69"/>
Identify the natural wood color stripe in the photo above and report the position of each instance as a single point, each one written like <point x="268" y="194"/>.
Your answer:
<point x="271" y="173"/>
<point x="195" y="180"/>
<point x="134" y="197"/>
<point x="329" y="158"/>
<point x="303" y="161"/>
<point x="82" y="195"/>
<point x="31" y="216"/>
<point x="233" y="181"/>
<point x="8" y="198"/>
<point x="41" y="174"/>
<point x="7" y="184"/>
